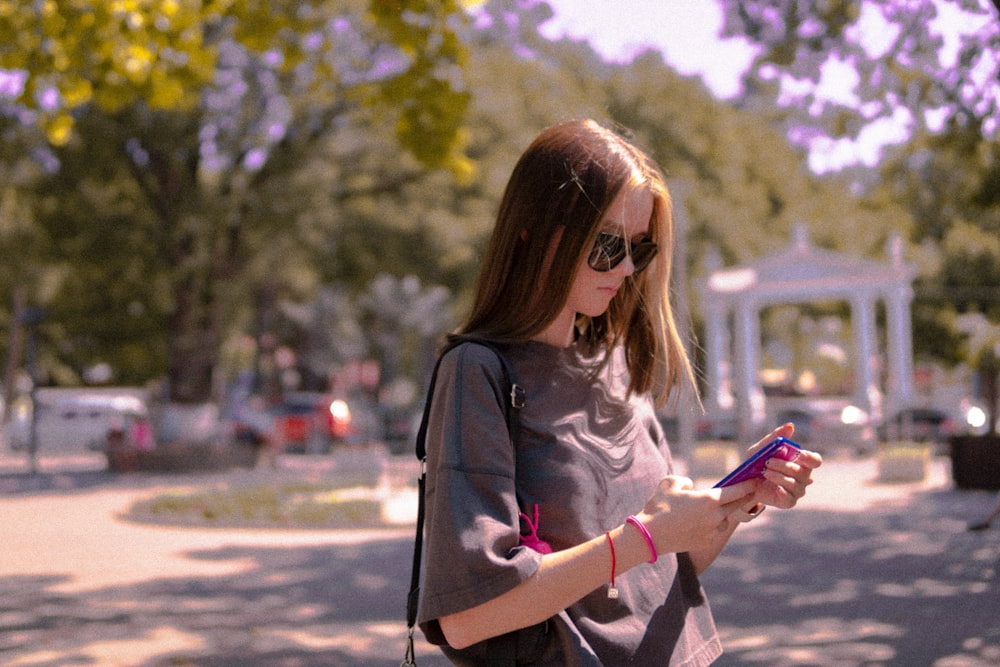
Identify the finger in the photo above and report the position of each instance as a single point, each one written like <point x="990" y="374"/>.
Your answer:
<point x="800" y="470"/>
<point x="783" y="431"/>
<point x="742" y="509"/>
<point x="747" y="514"/>
<point x="678" y="483"/>
<point x="735" y="493"/>
<point x="751" y="506"/>
<point x="792" y="469"/>
<point x="792" y="486"/>
<point x="809" y="459"/>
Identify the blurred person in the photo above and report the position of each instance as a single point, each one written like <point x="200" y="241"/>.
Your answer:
<point x="254" y="421"/>
<point x="987" y="522"/>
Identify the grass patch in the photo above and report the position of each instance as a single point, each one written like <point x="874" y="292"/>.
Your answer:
<point x="265" y="505"/>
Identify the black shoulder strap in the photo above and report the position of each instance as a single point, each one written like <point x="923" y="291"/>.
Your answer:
<point x="515" y="396"/>
<point x="514" y="401"/>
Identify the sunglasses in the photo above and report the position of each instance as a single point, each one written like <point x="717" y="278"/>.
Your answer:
<point x="610" y="249"/>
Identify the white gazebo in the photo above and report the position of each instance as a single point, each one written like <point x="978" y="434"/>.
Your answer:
<point x="732" y="300"/>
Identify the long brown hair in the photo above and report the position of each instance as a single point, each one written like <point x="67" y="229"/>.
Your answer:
<point x="562" y="186"/>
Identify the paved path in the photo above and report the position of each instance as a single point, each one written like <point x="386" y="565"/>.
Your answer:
<point x="861" y="573"/>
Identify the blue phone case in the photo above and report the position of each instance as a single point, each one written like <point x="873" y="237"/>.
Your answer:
<point x="753" y="467"/>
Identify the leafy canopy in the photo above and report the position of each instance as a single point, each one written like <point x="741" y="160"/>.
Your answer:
<point x="843" y="66"/>
<point x="62" y="55"/>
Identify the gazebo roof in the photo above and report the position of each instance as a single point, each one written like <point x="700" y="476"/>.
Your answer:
<point x="803" y="271"/>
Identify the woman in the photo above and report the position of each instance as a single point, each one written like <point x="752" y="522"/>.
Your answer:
<point x="602" y="568"/>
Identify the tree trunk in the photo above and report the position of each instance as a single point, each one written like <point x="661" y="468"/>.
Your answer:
<point x="15" y="348"/>
<point x="193" y="349"/>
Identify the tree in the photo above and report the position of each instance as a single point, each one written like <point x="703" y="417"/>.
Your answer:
<point x="182" y="227"/>
<point x="896" y="50"/>
<point x="433" y="227"/>
<point x="747" y="187"/>
<point x="67" y="55"/>
<point x="21" y="246"/>
<point x="193" y="108"/>
<point x="945" y="175"/>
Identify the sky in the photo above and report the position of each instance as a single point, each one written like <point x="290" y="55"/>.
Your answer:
<point x="687" y="33"/>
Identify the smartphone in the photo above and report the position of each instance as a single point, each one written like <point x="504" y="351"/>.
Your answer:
<point x="753" y="467"/>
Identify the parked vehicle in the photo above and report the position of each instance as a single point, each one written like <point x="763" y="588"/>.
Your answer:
<point x="936" y="425"/>
<point x="310" y="422"/>
<point x="717" y="428"/>
<point x="919" y="425"/>
<point x="829" y="424"/>
<point x="73" y="419"/>
<point x="304" y="422"/>
<point x="803" y="420"/>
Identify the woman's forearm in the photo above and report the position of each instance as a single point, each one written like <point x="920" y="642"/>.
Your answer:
<point x="562" y="578"/>
<point x="705" y="556"/>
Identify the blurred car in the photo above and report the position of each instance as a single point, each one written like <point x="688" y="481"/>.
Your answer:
<point x="70" y="419"/>
<point x="802" y="419"/>
<point x="920" y="425"/>
<point x="401" y="429"/>
<point x="310" y="422"/>
<point x="827" y="425"/>
<point x="721" y="427"/>
<point x="304" y="422"/>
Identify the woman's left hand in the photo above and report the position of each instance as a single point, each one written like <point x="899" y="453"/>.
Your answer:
<point x="785" y="481"/>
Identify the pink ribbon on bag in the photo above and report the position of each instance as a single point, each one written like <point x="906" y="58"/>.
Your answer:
<point x="531" y="540"/>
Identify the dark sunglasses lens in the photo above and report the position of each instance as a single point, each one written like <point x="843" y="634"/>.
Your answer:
<point x="608" y="252"/>
<point x="642" y="254"/>
<point x="610" y="249"/>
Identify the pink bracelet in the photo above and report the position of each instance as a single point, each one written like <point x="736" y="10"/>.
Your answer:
<point x="645" y="533"/>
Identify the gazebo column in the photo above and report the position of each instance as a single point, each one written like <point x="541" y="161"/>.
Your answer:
<point x="899" y="336"/>
<point x="864" y="336"/>
<point x="749" y="398"/>
<point x="717" y="362"/>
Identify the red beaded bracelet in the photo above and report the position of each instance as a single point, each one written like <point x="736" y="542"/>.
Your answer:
<point x="645" y="533"/>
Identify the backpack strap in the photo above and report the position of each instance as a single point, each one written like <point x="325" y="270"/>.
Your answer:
<point x="504" y="648"/>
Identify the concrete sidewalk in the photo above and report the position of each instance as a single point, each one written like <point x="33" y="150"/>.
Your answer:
<point x="861" y="573"/>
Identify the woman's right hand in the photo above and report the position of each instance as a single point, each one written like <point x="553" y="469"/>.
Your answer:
<point x="680" y="518"/>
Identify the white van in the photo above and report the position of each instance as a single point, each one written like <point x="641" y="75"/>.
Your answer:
<point x="73" y="419"/>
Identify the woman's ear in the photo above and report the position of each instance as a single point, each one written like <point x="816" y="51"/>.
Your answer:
<point x="524" y="234"/>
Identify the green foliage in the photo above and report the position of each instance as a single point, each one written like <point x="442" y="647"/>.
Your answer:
<point x="430" y="97"/>
<point x="742" y="186"/>
<point x="165" y="232"/>
<point x="117" y="54"/>
<point x="947" y="181"/>
<point x="171" y="123"/>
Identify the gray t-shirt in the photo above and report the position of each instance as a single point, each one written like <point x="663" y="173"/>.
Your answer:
<point x="589" y="455"/>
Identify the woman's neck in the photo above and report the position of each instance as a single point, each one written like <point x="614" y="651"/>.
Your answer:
<point x="558" y="334"/>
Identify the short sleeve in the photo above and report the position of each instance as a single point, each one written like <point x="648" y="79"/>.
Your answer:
<point x="472" y="551"/>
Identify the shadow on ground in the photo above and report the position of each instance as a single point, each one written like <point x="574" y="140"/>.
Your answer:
<point x="21" y="484"/>
<point x="897" y="585"/>
<point x="302" y="606"/>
